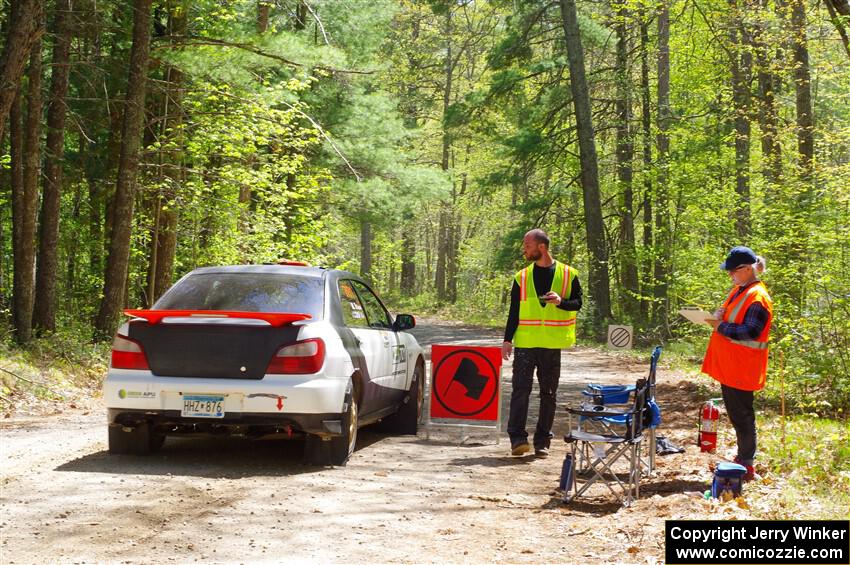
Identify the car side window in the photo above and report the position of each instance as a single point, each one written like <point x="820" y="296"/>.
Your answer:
<point x="375" y="312"/>
<point x="353" y="313"/>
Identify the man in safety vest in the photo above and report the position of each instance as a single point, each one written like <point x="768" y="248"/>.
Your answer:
<point x="737" y="351"/>
<point x="542" y="320"/>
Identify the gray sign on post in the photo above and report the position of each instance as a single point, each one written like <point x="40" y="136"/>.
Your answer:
<point x="620" y="337"/>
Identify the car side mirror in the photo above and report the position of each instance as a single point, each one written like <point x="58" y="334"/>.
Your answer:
<point x="404" y="322"/>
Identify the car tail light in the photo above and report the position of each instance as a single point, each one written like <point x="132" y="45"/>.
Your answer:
<point x="299" y="358"/>
<point x="128" y="354"/>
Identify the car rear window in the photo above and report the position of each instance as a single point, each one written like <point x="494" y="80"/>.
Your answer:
<point x="246" y="292"/>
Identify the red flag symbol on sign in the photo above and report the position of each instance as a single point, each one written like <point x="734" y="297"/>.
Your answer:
<point x="465" y="382"/>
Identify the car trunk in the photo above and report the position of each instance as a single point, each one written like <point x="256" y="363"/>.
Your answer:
<point x="233" y="350"/>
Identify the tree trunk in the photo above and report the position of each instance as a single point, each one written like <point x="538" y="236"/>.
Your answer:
<point x="662" y="228"/>
<point x="797" y="247"/>
<point x="741" y="70"/>
<point x="647" y="282"/>
<point x="25" y="26"/>
<point x="95" y="223"/>
<point x="453" y="247"/>
<point x="442" y="251"/>
<point x="407" y="284"/>
<point x="365" y="249"/>
<point x="24" y="205"/>
<point x="430" y="243"/>
<point x="625" y="156"/>
<point x="767" y="112"/>
<point x="245" y="193"/>
<point x="71" y="281"/>
<point x="44" y="316"/>
<point x="171" y="169"/>
<point x="803" y="92"/>
<point x="115" y="278"/>
<point x="149" y="288"/>
<point x="31" y="160"/>
<point x="839" y="13"/>
<point x="598" y="260"/>
<point x="263" y="10"/>
<point x="443" y="235"/>
<point x="107" y="190"/>
<point x="408" y="256"/>
<point x="299" y="22"/>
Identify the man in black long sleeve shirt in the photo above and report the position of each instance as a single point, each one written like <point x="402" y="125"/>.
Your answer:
<point x="542" y="279"/>
<point x="541" y="322"/>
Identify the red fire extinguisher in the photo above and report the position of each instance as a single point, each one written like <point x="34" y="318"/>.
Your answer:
<point x="708" y="417"/>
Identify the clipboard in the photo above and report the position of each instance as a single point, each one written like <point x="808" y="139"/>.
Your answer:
<point x="696" y="315"/>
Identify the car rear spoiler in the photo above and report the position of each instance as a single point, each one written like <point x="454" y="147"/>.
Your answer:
<point x="275" y="319"/>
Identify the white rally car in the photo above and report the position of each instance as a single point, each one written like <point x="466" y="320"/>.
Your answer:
<point x="264" y="351"/>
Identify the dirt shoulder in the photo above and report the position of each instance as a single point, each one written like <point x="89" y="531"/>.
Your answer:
<point x="399" y="499"/>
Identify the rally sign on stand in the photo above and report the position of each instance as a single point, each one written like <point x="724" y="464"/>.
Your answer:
<point x="465" y="383"/>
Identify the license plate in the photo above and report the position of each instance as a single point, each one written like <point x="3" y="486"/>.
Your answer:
<point x="202" y="406"/>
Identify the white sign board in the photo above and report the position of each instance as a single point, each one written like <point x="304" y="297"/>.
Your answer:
<point x="620" y="337"/>
<point x="696" y="315"/>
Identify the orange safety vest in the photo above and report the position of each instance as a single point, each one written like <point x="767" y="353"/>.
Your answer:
<point x="734" y="363"/>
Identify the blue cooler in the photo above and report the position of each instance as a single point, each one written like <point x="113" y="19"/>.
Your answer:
<point x="609" y="394"/>
<point x="728" y="476"/>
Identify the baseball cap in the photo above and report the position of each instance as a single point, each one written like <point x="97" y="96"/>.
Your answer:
<point x="738" y="256"/>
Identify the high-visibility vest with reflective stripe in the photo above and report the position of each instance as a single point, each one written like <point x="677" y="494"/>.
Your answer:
<point x="736" y="363"/>
<point x="545" y="326"/>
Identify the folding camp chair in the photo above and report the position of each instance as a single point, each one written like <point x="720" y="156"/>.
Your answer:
<point x="593" y="456"/>
<point x="606" y="395"/>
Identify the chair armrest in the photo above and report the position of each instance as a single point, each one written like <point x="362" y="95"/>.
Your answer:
<point x="590" y="410"/>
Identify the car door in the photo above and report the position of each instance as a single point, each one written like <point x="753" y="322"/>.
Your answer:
<point x="369" y="344"/>
<point x="392" y="384"/>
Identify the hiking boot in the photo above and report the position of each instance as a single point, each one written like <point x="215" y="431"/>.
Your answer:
<point x="541" y="451"/>
<point x="520" y="449"/>
<point x="751" y="472"/>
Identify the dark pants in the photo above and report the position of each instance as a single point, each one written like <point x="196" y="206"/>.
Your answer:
<point x="739" y="406"/>
<point x="548" y="364"/>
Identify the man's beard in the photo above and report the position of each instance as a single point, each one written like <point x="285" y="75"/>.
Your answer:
<point x="534" y="255"/>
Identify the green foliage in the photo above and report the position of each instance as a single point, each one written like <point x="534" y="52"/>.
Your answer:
<point x="510" y="49"/>
<point x="358" y="27"/>
<point x="814" y="453"/>
<point x="448" y="129"/>
<point x="54" y="370"/>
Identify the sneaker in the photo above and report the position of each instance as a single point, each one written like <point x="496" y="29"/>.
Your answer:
<point x="520" y="449"/>
<point x="541" y="451"/>
<point x="751" y="472"/>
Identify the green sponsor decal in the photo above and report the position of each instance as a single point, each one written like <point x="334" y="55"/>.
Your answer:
<point x="135" y="394"/>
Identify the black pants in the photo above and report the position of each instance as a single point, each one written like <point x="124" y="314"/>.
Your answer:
<point x="739" y="406"/>
<point x="548" y="365"/>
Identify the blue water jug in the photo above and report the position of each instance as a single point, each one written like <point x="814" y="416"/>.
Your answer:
<point x="567" y="474"/>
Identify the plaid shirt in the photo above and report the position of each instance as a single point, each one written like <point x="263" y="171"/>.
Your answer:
<point x="754" y="322"/>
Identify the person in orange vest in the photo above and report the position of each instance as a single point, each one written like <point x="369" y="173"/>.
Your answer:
<point x="545" y="298"/>
<point x="737" y="351"/>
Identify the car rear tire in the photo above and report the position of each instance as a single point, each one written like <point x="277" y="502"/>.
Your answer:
<point x="139" y="440"/>
<point x="336" y="450"/>
<point x="406" y="420"/>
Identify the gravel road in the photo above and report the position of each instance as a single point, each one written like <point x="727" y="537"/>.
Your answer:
<point x="399" y="499"/>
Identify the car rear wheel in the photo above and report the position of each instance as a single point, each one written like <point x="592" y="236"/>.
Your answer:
<point x="406" y="420"/>
<point x="138" y="440"/>
<point x="336" y="450"/>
